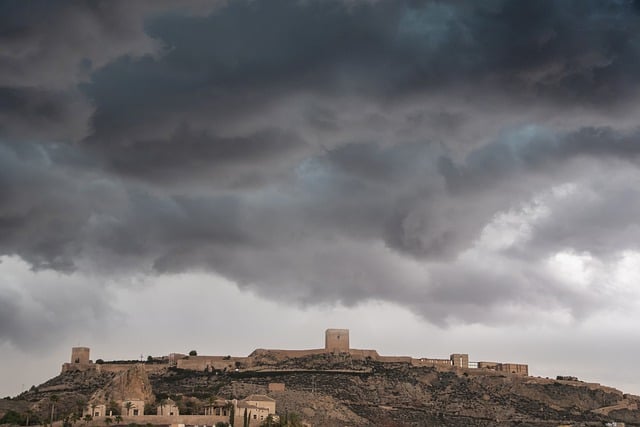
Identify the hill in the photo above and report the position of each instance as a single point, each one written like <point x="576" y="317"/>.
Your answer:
<point x="336" y="389"/>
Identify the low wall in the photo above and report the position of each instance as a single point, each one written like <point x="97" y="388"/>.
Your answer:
<point x="511" y="368"/>
<point x="200" y="363"/>
<point x="394" y="359"/>
<point x="431" y="362"/>
<point x="122" y="367"/>
<point x="363" y="354"/>
<point x="291" y="354"/>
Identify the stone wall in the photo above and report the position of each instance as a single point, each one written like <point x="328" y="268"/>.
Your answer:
<point x="431" y="362"/>
<point x="201" y="363"/>
<point x="363" y="354"/>
<point x="512" y="368"/>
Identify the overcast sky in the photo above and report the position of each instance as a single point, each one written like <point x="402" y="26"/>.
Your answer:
<point x="436" y="176"/>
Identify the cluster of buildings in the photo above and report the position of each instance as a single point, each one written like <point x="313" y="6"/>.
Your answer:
<point x="257" y="406"/>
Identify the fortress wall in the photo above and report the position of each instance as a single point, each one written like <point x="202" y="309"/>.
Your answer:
<point x="289" y="353"/>
<point x="77" y="367"/>
<point x="431" y="362"/>
<point x="200" y="363"/>
<point x="514" y="368"/>
<point x="121" y="367"/>
<point x="363" y="354"/>
<point x="487" y="365"/>
<point x="394" y="359"/>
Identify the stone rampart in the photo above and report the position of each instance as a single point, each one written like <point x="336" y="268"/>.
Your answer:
<point x="394" y="359"/>
<point x="363" y="354"/>
<point x="425" y="362"/>
<point x="116" y="368"/>
<point x="201" y="363"/>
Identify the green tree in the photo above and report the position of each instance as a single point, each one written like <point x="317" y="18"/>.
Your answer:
<point x="74" y="418"/>
<point x="193" y="353"/>
<point x="293" y="420"/>
<point x="232" y="415"/>
<point x="12" y="417"/>
<point x="108" y="421"/>
<point x="269" y="422"/>
<point x="128" y="407"/>
<point x="81" y="405"/>
<point x="113" y="408"/>
<point x="118" y="418"/>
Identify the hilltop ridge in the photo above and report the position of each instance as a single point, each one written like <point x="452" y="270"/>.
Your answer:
<point x="331" y="386"/>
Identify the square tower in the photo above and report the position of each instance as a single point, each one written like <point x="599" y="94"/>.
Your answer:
<point x="460" y="360"/>
<point x="80" y="355"/>
<point x="336" y="340"/>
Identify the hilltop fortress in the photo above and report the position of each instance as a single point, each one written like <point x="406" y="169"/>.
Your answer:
<point x="336" y="343"/>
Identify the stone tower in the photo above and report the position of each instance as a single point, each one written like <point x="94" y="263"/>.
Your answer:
<point x="460" y="360"/>
<point x="80" y="355"/>
<point x="336" y="340"/>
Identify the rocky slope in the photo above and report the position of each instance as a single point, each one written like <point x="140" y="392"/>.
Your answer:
<point x="336" y="390"/>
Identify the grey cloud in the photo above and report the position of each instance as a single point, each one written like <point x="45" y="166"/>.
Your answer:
<point x="320" y="151"/>
<point x="37" y="311"/>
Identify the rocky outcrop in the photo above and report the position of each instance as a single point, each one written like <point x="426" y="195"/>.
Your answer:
<point x="132" y="384"/>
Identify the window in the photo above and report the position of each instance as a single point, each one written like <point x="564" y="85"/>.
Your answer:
<point x="255" y="416"/>
<point x="135" y="412"/>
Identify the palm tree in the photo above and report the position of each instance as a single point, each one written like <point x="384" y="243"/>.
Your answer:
<point x="118" y="419"/>
<point x="93" y="409"/>
<point x="161" y="404"/>
<point x="54" y="399"/>
<point x="211" y="400"/>
<point x="128" y="407"/>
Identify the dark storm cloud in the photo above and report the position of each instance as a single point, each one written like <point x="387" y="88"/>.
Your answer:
<point x="322" y="150"/>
